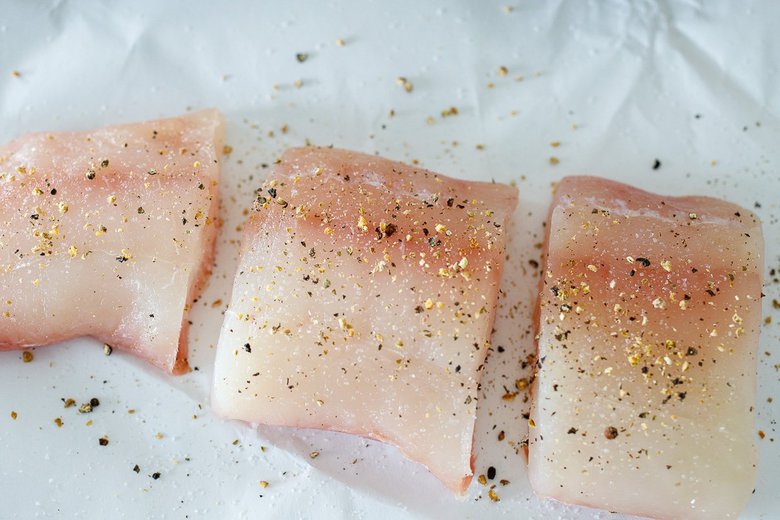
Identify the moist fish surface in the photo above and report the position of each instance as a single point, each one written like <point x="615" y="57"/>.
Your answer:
<point x="649" y="317"/>
<point x="364" y="302"/>
<point x="109" y="233"/>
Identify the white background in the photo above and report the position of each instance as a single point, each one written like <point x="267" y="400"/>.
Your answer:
<point x="692" y="84"/>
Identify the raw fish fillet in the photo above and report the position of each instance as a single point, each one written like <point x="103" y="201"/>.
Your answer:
<point x="364" y="303"/>
<point x="650" y="309"/>
<point x="109" y="234"/>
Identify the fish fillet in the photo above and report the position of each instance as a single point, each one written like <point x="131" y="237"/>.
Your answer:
<point x="649" y="317"/>
<point x="109" y="234"/>
<point x="364" y="303"/>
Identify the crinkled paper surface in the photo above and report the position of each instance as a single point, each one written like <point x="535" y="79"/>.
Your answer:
<point x="620" y="85"/>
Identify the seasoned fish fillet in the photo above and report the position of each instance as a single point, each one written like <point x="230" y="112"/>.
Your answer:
<point x="109" y="234"/>
<point x="364" y="303"/>
<point x="648" y="329"/>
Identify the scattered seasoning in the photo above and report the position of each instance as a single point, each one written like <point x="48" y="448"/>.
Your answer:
<point x="27" y="356"/>
<point x="137" y="468"/>
<point x="103" y="441"/>
<point x="141" y="210"/>
<point x="156" y="475"/>
<point x="611" y="432"/>
<point x="301" y="57"/>
<point x="85" y="408"/>
<point x="58" y="422"/>
<point x="104" y="163"/>
<point x="227" y="149"/>
<point x="340" y="42"/>
<point x="107" y="349"/>
<point x="644" y="261"/>
<point x="248" y="347"/>
<point x="491" y="473"/>
<point x="554" y="160"/>
<point x="16" y="74"/>
<point x="493" y="496"/>
<point x="761" y="434"/>
<point x="14" y="415"/>
<point x="314" y="454"/>
<point x="69" y="402"/>
<point x="482" y="480"/>
<point x="555" y="144"/>
<point x="90" y="174"/>
<point x="263" y="484"/>
<point x="152" y="172"/>
<point x="503" y="71"/>
<point x="656" y="164"/>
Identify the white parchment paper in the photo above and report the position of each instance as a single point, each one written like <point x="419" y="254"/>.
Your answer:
<point x="620" y="85"/>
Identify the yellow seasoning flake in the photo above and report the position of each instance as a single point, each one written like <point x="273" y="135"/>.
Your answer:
<point x="37" y="191"/>
<point x="196" y="164"/>
<point x="503" y="71"/>
<point x="13" y="415"/>
<point x="441" y="228"/>
<point x="452" y="111"/>
<point x="58" y="422"/>
<point x="405" y="83"/>
<point x="531" y="423"/>
<point x="111" y="199"/>
<point x="328" y="231"/>
<point x="227" y="149"/>
<point x="314" y="454"/>
<point x="493" y="496"/>
<point x="592" y="267"/>
<point x="362" y="224"/>
<point x="554" y="160"/>
<point x="263" y="484"/>
<point x="428" y="304"/>
<point x="667" y="265"/>
<point x="63" y="207"/>
<point x="36" y="281"/>
<point x="73" y="251"/>
<point x="27" y="356"/>
<point x="482" y="480"/>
